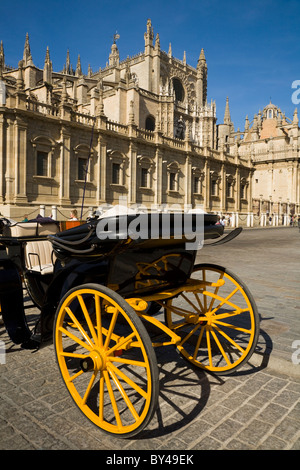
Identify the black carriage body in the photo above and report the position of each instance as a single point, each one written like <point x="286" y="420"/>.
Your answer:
<point x="133" y="267"/>
<point x="130" y="266"/>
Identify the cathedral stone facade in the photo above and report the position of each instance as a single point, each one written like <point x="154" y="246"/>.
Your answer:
<point x="272" y="141"/>
<point x="139" y="130"/>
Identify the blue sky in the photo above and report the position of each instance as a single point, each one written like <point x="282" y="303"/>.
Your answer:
<point x="252" y="47"/>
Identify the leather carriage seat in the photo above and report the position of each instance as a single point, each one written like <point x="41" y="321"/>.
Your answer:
<point x="39" y="256"/>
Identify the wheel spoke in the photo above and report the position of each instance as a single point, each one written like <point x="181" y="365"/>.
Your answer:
<point x="89" y="387"/>
<point x="215" y="293"/>
<point x="199" y="302"/>
<point x="112" y="399"/>
<point x="75" y="339"/>
<point x="123" y="360"/>
<point x="111" y="328"/>
<point x="79" y="327"/>
<point x="191" y="303"/>
<point x="101" y="397"/>
<point x="198" y="342"/>
<point x="88" y="319"/>
<point x="234" y="327"/>
<point x="209" y="348"/>
<point x="190" y="334"/>
<point x="98" y="320"/>
<point x="223" y="301"/>
<point x="130" y="382"/>
<point x="220" y="347"/>
<point x="234" y="343"/>
<point x="123" y="394"/>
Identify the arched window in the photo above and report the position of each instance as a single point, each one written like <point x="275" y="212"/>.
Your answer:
<point x="178" y="89"/>
<point x="145" y="175"/>
<point x="173" y="176"/>
<point x="243" y="188"/>
<point x="117" y="168"/>
<point x="150" y="123"/>
<point x="214" y="183"/>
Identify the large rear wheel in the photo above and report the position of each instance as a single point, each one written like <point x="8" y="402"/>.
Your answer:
<point x="106" y="359"/>
<point x="218" y="323"/>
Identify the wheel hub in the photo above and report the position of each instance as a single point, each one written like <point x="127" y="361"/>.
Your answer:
<point x="95" y="361"/>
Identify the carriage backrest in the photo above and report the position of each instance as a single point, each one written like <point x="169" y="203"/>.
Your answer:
<point x="29" y="229"/>
<point x="39" y="256"/>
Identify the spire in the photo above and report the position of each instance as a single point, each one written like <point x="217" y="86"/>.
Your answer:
<point x="295" y="118"/>
<point x="170" y="51"/>
<point x="201" y="61"/>
<point x="47" y="72"/>
<point x="68" y="65"/>
<point x="114" y="57"/>
<point x="202" y="55"/>
<point x="184" y="58"/>
<point x="227" y="118"/>
<point x="47" y="58"/>
<point x="78" y="72"/>
<point x="27" y="58"/>
<point x="148" y="36"/>
<point x="157" y="42"/>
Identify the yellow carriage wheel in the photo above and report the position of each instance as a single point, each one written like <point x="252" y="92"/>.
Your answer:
<point x="218" y="323"/>
<point x="106" y="359"/>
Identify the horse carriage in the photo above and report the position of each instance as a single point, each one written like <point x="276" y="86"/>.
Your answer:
<point x="107" y="299"/>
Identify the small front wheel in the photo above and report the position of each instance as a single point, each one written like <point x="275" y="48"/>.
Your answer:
<point x="106" y="359"/>
<point x="218" y="322"/>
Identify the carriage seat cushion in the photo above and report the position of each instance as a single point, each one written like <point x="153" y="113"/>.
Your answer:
<point x="30" y="229"/>
<point x="39" y="256"/>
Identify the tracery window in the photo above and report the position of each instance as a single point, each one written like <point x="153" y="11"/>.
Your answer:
<point x="178" y="89"/>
